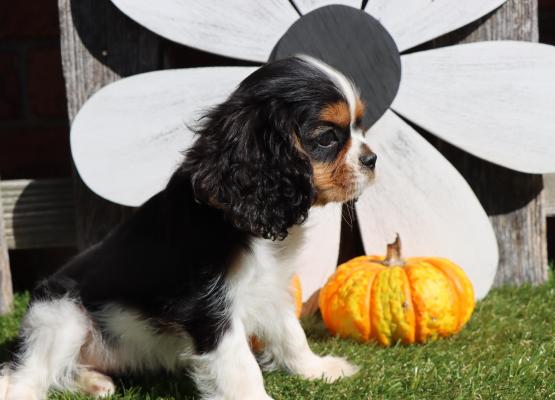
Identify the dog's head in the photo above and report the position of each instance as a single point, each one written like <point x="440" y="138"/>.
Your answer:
<point x="288" y="137"/>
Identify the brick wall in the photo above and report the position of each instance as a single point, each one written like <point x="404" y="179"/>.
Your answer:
<point x="33" y="119"/>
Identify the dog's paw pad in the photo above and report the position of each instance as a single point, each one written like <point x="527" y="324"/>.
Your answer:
<point x="330" y="369"/>
<point x="96" y="384"/>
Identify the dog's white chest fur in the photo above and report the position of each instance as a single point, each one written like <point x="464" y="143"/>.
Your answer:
<point x="260" y="281"/>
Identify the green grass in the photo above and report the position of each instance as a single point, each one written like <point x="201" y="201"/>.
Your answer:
<point x="506" y="352"/>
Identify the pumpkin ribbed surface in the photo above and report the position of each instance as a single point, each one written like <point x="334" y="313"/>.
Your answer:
<point x="388" y="299"/>
<point x="297" y="294"/>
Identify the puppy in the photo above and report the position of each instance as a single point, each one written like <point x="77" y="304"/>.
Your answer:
<point x="205" y="264"/>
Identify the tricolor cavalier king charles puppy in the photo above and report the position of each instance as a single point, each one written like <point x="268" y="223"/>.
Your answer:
<point x="205" y="264"/>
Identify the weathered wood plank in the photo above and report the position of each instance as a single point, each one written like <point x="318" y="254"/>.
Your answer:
<point x="6" y="290"/>
<point x="99" y="45"/>
<point x="513" y="200"/>
<point x="549" y="194"/>
<point x="38" y="213"/>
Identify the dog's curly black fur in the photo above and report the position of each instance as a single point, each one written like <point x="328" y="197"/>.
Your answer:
<point x="246" y="163"/>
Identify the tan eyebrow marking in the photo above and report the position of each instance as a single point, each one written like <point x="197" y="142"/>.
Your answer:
<point x="337" y="113"/>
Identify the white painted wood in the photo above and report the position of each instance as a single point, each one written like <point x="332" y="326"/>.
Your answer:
<point x="306" y="6"/>
<point x="129" y="137"/>
<point x="413" y="22"/>
<point x="420" y="195"/>
<point x="245" y="29"/>
<point x="495" y="100"/>
<point x="317" y="259"/>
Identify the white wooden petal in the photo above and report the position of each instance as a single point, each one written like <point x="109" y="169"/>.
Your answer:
<point x="420" y="195"/>
<point x="495" y="100"/>
<point x="129" y="137"/>
<point x="306" y="6"/>
<point x="316" y="260"/>
<point x="413" y="22"/>
<point x="245" y="29"/>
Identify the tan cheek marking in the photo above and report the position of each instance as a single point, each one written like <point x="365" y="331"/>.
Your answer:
<point x="359" y="109"/>
<point x="337" y="113"/>
<point x="333" y="181"/>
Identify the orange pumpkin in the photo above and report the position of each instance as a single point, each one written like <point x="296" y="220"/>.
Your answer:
<point x="296" y="291"/>
<point x="390" y="299"/>
<point x="297" y="294"/>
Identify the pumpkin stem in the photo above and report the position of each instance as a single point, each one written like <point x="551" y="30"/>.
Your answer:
<point x="393" y="255"/>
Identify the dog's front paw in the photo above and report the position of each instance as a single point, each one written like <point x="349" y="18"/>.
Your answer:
<point x="328" y="368"/>
<point x="96" y="384"/>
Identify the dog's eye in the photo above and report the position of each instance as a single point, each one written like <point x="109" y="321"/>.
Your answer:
<point x="327" y="139"/>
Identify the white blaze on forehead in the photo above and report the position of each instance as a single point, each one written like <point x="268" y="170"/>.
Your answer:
<point x="341" y="81"/>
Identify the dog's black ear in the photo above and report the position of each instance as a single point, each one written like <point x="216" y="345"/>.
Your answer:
<point x="246" y="162"/>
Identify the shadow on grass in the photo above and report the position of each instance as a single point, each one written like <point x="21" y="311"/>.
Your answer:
<point x="166" y="386"/>
<point x="315" y="329"/>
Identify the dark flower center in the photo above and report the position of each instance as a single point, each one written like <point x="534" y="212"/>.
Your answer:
<point x="354" y="43"/>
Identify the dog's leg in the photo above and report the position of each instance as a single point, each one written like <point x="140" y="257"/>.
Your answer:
<point x="52" y="333"/>
<point x="286" y="347"/>
<point x="95" y="384"/>
<point x="230" y="372"/>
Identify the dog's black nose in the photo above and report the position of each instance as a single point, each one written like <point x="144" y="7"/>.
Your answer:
<point x="368" y="160"/>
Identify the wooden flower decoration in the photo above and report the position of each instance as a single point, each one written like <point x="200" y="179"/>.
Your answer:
<point x="492" y="99"/>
